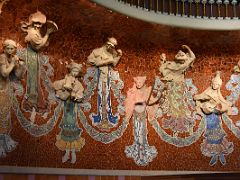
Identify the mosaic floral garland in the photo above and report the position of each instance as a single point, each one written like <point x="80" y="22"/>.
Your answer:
<point x="90" y="79"/>
<point x="233" y="85"/>
<point x="103" y="137"/>
<point x="231" y="126"/>
<point x="178" y="141"/>
<point x="34" y="129"/>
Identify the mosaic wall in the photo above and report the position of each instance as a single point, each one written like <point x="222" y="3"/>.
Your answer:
<point x="144" y="105"/>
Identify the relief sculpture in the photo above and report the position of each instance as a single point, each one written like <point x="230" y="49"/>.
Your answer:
<point x="34" y="97"/>
<point x="11" y="67"/>
<point x="105" y="117"/>
<point x="104" y="58"/>
<point x="70" y="90"/>
<point x="39" y="96"/>
<point x="179" y="117"/>
<point x="210" y="104"/>
<point x="139" y="109"/>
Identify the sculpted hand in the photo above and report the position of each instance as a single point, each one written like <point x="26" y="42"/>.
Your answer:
<point x="163" y="57"/>
<point x="21" y="63"/>
<point x="186" y="47"/>
<point x="50" y="30"/>
<point x="119" y="52"/>
<point x="238" y="64"/>
<point x="15" y="60"/>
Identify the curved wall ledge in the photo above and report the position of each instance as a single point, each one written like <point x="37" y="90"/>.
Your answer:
<point x="171" y="20"/>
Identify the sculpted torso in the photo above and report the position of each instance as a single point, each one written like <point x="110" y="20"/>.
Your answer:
<point x="9" y="63"/>
<point x="174" y="70"/>
<point x="104" y="57"/>
<point x="139" y="97"/>
<point x="211" y="99"/>
<point x="4" y="64"/>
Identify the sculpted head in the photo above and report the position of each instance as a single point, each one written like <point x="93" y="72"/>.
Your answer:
<point x="111" y="43"/>
<point x="217" y="81"/>
<point x="181" y="56"/>
<point x="10" y="47"/>
<point x="75" y="69"/>
<point x="37" y="20"/>
<point x="140" y="81"/>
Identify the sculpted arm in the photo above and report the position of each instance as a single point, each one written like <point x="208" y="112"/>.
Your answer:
<point x="20" y="69"/>
<point x="98" y="61"/>
<point x="4" y="70"/>
<point x="191" y="55"/>
<point x="203" y="96"/>
<point x="77" y="92"/>
<point x="117" y="57"/>
<point x="205" y="103"/>
<point x="39" y="41"/>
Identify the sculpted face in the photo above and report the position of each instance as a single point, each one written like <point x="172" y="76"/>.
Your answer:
<point x="216" y="81"/>
<point x="10" y="49"/>
<point x="216" y="84"/>
<point x="109" y="47"/>
<point x="140" y="81"/>
<point x="37" y="25"/>
<point x="181" y="56"/>
<point x="75" y="72"/>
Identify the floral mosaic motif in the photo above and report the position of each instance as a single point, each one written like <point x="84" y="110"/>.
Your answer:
<point x="231" y="126"/>
<point x="103" y="137"/>
<point x="177" y="103"/>
<point x="190" y="90"/>
<point x="7" y="144"/>
<point x="179" y="141"/>
<point x="91" y="80"/>
<point x="117" y="86"/>
<point x="140" y="150"/>
<point x="45" y="72"/>
<point x="233" y="85"/>
<point x="34" y="129"/>
<point x="178" y="108"/>
<point x="42" y="70"/>
<point x="215" y="145"/>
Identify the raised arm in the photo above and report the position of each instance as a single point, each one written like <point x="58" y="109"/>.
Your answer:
<point x="117" y="57"/>
<point x="190" y="53"/>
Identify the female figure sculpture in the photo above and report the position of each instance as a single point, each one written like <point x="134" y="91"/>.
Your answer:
<point x="138" y="108"/>
<point x="10" y="65"/>
<point x="70" y="90"/>
<point x="175" y="105"/>
<point x="34" y="101"/>
<point x="211" y="105"/>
